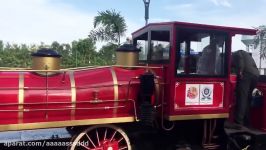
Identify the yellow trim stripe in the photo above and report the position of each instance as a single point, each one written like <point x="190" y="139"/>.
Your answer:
<point x="198" y="116"/>
<point x="40" y="125"/>
<point x="115" y="82"/>
<point x="73" y="94"/>
<point x="21" y="97"/>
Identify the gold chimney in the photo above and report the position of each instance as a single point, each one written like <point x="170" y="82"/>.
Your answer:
<point x="46" y="59"/>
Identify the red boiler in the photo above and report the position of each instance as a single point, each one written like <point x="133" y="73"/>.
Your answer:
<point x="75" y="97"/>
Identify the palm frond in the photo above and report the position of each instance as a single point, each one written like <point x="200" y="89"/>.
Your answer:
<point x="109" y="25"/>
<point x="102" y="35"/>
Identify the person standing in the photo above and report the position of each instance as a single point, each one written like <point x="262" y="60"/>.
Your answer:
<point x="247" y="77"/>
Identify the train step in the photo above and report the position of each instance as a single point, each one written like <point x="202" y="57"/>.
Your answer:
<point x="241" y="137"/>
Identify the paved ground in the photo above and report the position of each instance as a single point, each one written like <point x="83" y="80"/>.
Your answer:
<point x="5" y="146"/>
<point x="141" y="139"/>
<point x="145" y="141"/>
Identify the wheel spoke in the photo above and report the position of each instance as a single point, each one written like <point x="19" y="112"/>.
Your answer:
<point x="122" y="148"/>
<point x="105" y="133"/>
<point x="90" y="140"/>
<point x="85" y="146"/>
<point x="97" y="135"/>
<point x="113" y="135"/>
<point x="120" y="139"/>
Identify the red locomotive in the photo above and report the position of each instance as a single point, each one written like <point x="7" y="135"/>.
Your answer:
<point x="179" y="70"/>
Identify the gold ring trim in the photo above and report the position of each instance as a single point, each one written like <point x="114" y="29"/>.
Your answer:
<point x="198" y="116"/>
<point x="40" y="125"/>
<point x="73" y="94"/>
<point x="115" y="82"/>
<point x="20" y="97"/>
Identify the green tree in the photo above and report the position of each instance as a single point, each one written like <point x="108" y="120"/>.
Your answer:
<point x="78" y="53"/>
<point x="1" y="45"/>
<point x="65" y="51"/>
<point x="55" y="45"/>
<point x="15" y="56"/>
<point x="107" y="54"/>
<point x="83" y="52"/>
<point x="109" y="26"/>
<point x="24" y="56"/>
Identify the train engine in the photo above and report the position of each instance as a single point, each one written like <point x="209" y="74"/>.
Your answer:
<point x="173" y="72"/>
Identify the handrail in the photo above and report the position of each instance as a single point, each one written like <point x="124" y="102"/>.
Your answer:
<point x="77" y="102"/>
<point x="7" y="69"/>
<point x="64" y="88"/>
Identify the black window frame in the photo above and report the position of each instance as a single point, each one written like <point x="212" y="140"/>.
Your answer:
<point x="149" y="30"/>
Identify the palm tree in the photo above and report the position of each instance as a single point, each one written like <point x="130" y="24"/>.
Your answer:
<point x="260" y="40"/>
<point x="109" y="26"/>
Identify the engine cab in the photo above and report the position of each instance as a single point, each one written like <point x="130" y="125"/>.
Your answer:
<point x="195" y="58"/>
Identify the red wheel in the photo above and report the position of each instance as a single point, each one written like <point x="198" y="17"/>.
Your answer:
<point x="101" y="137"/>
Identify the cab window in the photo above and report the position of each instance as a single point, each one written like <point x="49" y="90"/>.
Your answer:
<point x="200" y="53"/>
<point x="154" y="46"/>
<point x="160" y="45"/>
<point x="142" y="44"/>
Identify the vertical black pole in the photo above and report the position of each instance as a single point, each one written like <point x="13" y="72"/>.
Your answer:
<point x="146" y="4"/>
<point x="261" y="52"/>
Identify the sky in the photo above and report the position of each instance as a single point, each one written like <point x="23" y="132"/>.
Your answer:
<point x="36" y="21"/>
